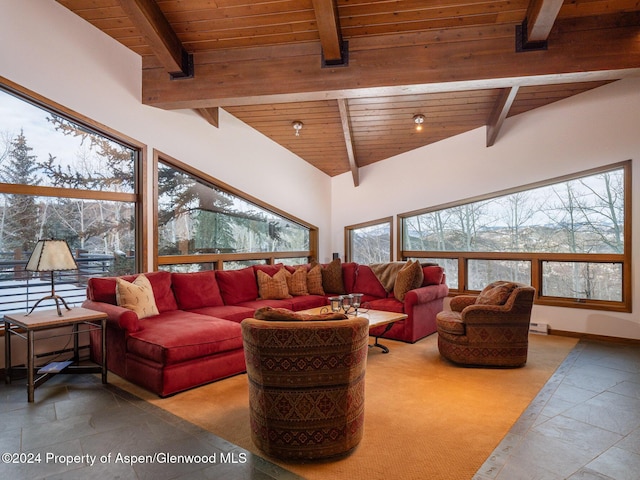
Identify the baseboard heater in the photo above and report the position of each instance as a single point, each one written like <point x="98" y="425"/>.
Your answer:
<point x="540" y="328"/>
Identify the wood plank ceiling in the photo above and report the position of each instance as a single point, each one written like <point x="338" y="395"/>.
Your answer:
<point x="356" y="72"/>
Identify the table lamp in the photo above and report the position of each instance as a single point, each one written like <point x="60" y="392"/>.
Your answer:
<point x="51" y="256"/>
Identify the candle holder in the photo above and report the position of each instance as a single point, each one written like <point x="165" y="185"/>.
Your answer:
<point x="356" y="301"/>
<point x="345" y="301"/>
<point x="335" y="303"/>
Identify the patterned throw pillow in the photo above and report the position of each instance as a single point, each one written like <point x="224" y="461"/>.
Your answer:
<point x="314" y="280"/>
<point x="496" y="294"/>
<point x="409" y="277"/>
<point x="297" y="281"/>
<point x="286" y="315"/>
<point x="136" y="296"/>
<point x="273" y="288"/>
<point x="419" y="280"/>
<point x="332" y="278"/>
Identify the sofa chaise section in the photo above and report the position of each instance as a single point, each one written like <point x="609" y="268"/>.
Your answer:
<point x="194" y="339"/>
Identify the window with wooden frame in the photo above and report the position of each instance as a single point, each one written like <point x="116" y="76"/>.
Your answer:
<point x="204" y="224"/>
<point x="369" y="242"/>
<point x="569" y="237"/>
<point x="64" y="176"/>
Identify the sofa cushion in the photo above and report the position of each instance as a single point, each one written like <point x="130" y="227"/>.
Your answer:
<point x="259" y="303"/>
<point x="450" y="322"/>
<point x="175" y="337"/>
<point x="305" y="302"/>
<point x="388" y="304"/>
<point x="235" y="313"/>
<point x="273" y="287"/>
<point x="297" y="281"/>
<point x="196" y="290"/>
<point x="237" y="286"/>
<point x="367" y="283"/>
<point x="103" y="289"/>
<point x="433" y="275"/>
<point x="314" y="280"/>
<point x="496" y="293"/>
<point x="409" y="277"/>
<point x="136" y="296"/>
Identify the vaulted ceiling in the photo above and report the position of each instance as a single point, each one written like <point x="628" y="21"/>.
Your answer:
<point x="357" y="72"/>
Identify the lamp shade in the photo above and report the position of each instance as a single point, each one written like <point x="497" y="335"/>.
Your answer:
<point x="51" y="255"/>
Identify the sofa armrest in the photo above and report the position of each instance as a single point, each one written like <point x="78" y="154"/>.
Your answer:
<point x="425" y="295"/>
<point x="118" y="317"/>
<point x="460" y="302"/>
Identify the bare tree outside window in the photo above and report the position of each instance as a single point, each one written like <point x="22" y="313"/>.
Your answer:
<point x="571" y="230"/>
<point x="370" y="243"/>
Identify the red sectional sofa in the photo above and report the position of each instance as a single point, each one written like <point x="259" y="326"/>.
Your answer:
<point x="196" y="336"/>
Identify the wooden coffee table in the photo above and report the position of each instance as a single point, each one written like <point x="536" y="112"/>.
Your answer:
<point x="376" y="318"/>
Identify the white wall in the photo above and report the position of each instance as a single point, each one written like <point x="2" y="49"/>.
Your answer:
<point x="596" y="128"/>
<point x="51" y="51"/>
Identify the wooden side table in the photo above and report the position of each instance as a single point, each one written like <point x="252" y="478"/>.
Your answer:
<point x="25" y="326"/>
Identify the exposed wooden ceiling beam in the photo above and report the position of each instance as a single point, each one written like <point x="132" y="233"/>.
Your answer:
<point x="348" y="140"/>
<point x="210" y="115"/>
<point x="290" y="73"/>
<point x="499" y="113"/>
<point x="326" y="12"/>
<point x="149" y="19"/>
<point x="541" y="15"/>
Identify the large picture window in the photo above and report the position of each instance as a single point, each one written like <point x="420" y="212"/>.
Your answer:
<point x="203" y="225"/>
<point x="569" y="238"/>
<point x="369" y="242"/>
<point x="62" y="178"/>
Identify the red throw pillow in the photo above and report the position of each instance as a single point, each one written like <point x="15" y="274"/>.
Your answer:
<point x="102" y="289"/>
<point x="432" y="275"/>
<point x="161" y="285"/>
<point x="196" y="290"/>
<point x="237" y="286"/>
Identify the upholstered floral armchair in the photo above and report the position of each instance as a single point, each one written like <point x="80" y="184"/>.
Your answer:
<point x="490" y="329"/>
<point x="306" y="385"/>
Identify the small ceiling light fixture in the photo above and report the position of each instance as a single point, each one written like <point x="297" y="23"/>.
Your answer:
<point x="418" y="120"/>
<point x="297" y="126"/>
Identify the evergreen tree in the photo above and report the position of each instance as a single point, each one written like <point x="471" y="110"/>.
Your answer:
<point x="20" y="230"/>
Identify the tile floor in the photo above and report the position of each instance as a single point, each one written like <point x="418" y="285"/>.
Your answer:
<point x="75" y="420"/>
<point x="583" y="425"/>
